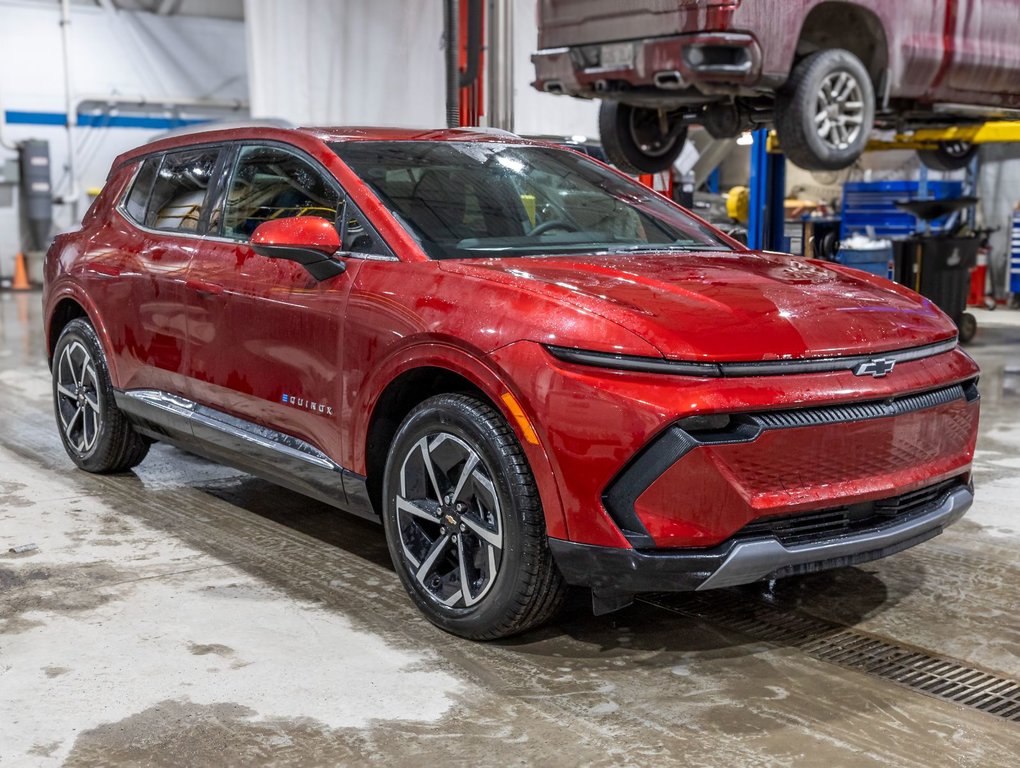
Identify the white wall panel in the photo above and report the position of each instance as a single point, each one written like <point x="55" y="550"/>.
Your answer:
<point x="123" y="54"/>
<point x="381" y="63"/>
<point x="347" y="62"/>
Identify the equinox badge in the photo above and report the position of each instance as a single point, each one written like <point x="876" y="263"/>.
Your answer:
<point x="878" y="368"/>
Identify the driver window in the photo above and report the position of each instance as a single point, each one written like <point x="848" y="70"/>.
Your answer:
<point x="272" y="183"/>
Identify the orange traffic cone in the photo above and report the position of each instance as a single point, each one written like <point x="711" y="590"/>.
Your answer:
<point x="20" y="274"/>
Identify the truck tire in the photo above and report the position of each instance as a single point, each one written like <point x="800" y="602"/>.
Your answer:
<point x="825" y="111"/>
<point x="950" y="155"/>
<point x="634" y="140"/>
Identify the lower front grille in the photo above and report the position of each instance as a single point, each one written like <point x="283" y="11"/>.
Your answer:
<point x="848" y="520"/>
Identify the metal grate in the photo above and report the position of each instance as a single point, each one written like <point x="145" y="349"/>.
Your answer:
<point x="916" y="669"/>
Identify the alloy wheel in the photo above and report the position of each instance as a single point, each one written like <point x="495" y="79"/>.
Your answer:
<point x="78" y="398"/>
<point x="449" y="520"/>
<point x="839" y="116"/>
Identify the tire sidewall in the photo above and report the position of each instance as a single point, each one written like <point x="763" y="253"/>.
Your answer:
<point x="453" y="416"/>
<point x="81" y="331"/>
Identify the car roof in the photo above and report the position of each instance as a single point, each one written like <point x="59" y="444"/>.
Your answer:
<point x="208" y="135"/>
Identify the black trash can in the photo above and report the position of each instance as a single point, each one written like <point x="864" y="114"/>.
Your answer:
<point x="939" y="269"/>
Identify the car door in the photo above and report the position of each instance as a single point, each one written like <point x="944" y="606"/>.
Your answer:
<point x="986" y="51"/>
<point x="165" y="213"/>
<point x="264" y="335"/>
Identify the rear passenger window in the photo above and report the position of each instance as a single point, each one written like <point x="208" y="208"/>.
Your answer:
<point x="271" y="183"/>
<point x="137" y="198"/>
<point x="180" y="192"/>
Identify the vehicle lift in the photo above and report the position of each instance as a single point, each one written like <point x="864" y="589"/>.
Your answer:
<point x="768" y="170"/>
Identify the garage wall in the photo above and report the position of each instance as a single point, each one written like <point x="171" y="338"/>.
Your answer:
<point x="114" y="53"/>
<point x="351" y="62"/>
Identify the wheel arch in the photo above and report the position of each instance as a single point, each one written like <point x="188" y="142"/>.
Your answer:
<point x="840" y="24"/>
<point x="67" y="305"/>
<point x="432" y="370"/>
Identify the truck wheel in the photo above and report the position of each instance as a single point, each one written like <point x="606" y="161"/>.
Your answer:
<point x="950" y="155"/>
<point x="464" y="522"/>
<point x="825" y="111"/>
<point x="639" y="139"/>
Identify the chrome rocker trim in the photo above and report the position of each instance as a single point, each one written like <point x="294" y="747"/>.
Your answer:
<point x="221" y="437"/>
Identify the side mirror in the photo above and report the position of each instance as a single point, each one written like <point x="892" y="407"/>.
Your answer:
<point x="311" y="241"/>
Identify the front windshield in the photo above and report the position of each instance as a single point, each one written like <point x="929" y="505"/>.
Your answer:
<point x="486" y="200"/>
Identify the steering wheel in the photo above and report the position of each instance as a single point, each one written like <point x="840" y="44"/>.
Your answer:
<point x="545" y="226"/>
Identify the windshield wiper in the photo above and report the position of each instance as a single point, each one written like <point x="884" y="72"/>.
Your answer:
<point x="653" y="247"/>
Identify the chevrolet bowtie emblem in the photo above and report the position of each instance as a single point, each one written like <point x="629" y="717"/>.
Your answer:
<point x="878" y="368"/>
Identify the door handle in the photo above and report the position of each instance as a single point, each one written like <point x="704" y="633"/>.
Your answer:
<point x="203" y="288"/>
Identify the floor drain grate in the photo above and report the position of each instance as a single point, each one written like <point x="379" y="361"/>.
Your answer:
<point x="918" y="670"/>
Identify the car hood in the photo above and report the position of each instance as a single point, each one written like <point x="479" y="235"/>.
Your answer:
<point x="730" y="306"/>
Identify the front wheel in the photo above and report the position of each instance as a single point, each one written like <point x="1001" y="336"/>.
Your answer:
<point x="639" y="139"/>
<point x="464" y="523"/>
<point x="825" y="111"/>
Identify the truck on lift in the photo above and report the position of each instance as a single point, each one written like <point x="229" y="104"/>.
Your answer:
<point x="823" y="73"/>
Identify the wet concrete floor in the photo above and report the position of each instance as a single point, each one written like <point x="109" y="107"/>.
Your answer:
<point x="188" y="614"/>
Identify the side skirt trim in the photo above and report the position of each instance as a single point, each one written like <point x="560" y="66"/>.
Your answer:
<point x="250" y="447"/>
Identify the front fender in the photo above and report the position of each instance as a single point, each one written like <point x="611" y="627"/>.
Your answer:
<point x="484" y="374"/>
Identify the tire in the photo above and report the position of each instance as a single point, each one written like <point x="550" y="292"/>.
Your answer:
<point x="836" y="84"/>
<point x="95" y="434"/>
<point x="967" y="327"/>
<point x="633" y="140"/>
<point x="492" y="531"/>
<point x="950" y="155"/>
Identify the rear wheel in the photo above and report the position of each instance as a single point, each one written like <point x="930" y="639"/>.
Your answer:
<point x="825" y="112"/>
<point x="95" y="433"/>
<point x="950" y="155"/>
<point x="639" y="139"/>
<point x="464" y="522"/>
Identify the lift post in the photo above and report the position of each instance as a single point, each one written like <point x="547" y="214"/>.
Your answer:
<point x="767" y="191"/>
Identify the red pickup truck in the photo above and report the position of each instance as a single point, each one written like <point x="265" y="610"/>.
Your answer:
<point x="823" y="73"/>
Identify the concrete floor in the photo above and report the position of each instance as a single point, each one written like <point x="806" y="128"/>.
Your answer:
<point x="187" y="614"/>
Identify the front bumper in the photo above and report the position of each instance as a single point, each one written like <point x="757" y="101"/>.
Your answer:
<point x="668" y="64"/>
<point x="742" y="560"/>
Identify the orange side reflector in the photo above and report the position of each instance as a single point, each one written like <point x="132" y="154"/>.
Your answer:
<point x="522" y="421"/>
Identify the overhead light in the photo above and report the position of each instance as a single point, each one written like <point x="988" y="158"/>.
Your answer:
<point x="745" y="139"/>
<point x="579" y="139"/>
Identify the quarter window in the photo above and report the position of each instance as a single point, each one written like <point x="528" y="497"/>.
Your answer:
<point x="180" y="192"/>
<point x="138" y="197"/>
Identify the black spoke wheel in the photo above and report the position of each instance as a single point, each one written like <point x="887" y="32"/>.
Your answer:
<point x="77" y="398"/>
<point x="464" y="523"/>
<point x="94" y="432"/>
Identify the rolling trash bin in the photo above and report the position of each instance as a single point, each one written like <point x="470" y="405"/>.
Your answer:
<point x="939" y="269"/>
<point x="874" y="256"/>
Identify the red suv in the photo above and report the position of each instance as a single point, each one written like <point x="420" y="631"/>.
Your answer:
<point x="534" y="371"/>
<point x="822" y="71"/>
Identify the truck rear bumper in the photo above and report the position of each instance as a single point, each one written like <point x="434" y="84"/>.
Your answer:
<point x="668" y="64"/>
